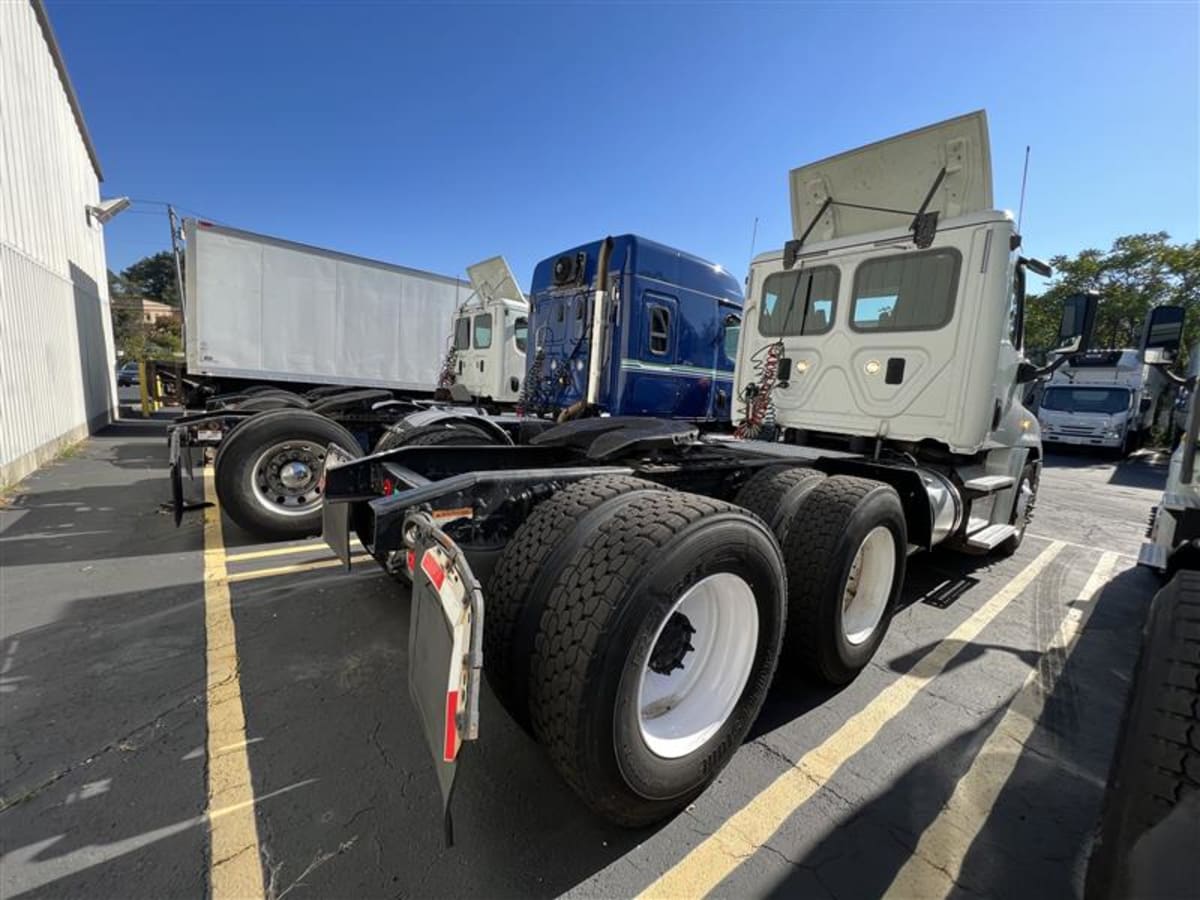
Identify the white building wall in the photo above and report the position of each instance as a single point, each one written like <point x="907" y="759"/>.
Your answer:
<point x="56" y="347"/>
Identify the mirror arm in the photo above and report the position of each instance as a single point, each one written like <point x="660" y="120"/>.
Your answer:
<point x="1027" y="371"/>
<point x="1171" y="376"/>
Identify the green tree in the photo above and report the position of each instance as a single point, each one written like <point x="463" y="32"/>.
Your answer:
<point x="1139" y="272"/>
<point x="153" y="277"/>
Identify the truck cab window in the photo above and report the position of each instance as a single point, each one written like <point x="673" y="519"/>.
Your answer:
<point x="732" y="333"/>
<point x="483" y="331"/>
<point x="799" y="302"/>
<point x="660" y="330"/>
<point x="462" y="333"/>
<point x="521" y="332"/>
<point x="913" y="292"/>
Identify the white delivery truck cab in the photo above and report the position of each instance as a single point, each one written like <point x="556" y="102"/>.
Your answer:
<point x="490" y="336"/>
<point x="1104" y="398"/>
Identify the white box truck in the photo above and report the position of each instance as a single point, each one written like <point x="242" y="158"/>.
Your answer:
<point x="1109" y="399"/>
<point x="260" y="310"/>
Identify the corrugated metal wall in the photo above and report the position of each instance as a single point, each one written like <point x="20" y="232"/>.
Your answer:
<point x="56" y="349"/>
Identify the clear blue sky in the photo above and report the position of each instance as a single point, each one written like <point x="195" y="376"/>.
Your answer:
<point x="433" y="136"/>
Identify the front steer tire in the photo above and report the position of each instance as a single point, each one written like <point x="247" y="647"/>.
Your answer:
<point x="240" y="453"/>
<point x="518" y="588"/>
<point x="600" y="635"/>
<point x="831" y="525"/>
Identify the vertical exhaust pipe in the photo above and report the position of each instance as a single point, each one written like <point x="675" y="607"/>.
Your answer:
<point x="591" y="394"/>
<point x="596" y="344"/>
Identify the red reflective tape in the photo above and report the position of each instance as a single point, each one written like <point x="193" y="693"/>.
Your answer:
<point x="411" y="561"/>
<point x="451" y="748"/>
<point x="431" y="567"/>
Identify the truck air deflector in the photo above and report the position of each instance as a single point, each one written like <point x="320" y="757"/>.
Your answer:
<point x="892" y="176"/>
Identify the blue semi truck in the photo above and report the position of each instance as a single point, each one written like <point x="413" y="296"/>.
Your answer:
<point x="660" y="342"/>
<point x="669" y="334"/>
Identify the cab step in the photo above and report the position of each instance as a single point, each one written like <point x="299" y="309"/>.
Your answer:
<point x="1153" y="556"/>
<point x="990" y="537"/>
<point x="988" y="484"/>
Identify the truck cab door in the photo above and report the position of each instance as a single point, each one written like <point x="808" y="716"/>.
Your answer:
<point x="650" y="385"/>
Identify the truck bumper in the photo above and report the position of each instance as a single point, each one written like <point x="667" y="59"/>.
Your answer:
<point x="1081" y="440"/>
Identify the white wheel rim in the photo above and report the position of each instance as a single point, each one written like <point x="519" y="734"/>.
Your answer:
<point x="868" y="586"/>
<point x="286" y="478"/>
<point x="679" y="712"/>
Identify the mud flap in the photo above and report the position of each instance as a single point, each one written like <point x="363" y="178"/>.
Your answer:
<point x="180" y="454"/>
<point x="445" y="655"/>
<point x="335" y="517"/>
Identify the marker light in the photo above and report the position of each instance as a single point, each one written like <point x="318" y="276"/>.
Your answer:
<point x="872" y="367"/>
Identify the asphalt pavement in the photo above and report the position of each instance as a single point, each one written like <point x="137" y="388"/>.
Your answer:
<point x="969" y="758"/>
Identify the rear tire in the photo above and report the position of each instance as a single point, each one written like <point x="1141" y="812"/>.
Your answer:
<point x="775" y="493"/>
<point x="268" y="470"/>
<point x="655" y="651"/>
<point x="432" y="435"/>
<point x="519" y="585"/>
<point x="443" y="435"/>
<point x="1155" y="774"/>
<point x="846" y="552"/>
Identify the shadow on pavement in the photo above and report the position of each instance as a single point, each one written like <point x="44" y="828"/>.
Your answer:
<point x="1143" y="469"/>
<point x="91" y="505"/>
<point x="324" y="660"/>
<point x="102" y="748"/>
<point x="1034" y="841"/>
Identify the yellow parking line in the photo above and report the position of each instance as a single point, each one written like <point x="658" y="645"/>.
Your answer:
<point x="935" y="866"/>
<point x="292" y="569"/>
<point x="714" y="858"/>
<point x="235" y="868"/>
<point x="281" y="551"/>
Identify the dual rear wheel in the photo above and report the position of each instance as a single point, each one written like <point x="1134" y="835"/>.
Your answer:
<point x="635" y="630"/>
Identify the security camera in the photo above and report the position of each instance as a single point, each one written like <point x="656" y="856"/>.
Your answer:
<point x="106" y="209"/>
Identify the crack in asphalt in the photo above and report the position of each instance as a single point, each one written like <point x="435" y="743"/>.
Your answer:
<point x="379" y="747"/>
<point x="796" y="764"/>
<point x="914" y="850"/>
<point x="7" y="803"/>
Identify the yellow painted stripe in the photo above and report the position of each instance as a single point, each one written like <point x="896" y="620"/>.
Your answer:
<point x="742" y="834"/>
<point x="936" y="864"/>
<point x="291" y="549"/>
<point x="292" y="569"/>
<point x="235" y="865"/>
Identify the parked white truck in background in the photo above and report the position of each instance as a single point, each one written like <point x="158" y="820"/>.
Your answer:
<point x="490" y="337"/>
<point x="1111" y="399"/>
<point x="261" y="310"/>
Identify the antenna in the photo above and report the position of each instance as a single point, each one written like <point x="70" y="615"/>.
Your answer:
<point x="1024" y="177"/>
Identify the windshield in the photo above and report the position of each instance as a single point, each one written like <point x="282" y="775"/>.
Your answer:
<point x="1086" y="399"/>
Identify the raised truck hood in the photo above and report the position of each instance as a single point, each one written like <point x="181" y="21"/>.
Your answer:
<point x="493" y="280"/>
<point x="896" y="173"/>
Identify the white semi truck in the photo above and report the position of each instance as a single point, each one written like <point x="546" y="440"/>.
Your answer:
<point x="631" y="587"/>
<point x="1110" y="399"/>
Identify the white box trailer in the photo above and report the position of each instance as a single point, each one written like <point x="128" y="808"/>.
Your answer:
<point x="262" y="309"/>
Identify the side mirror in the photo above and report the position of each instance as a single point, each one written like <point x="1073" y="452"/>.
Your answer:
<point x="1162" y="335"/>
<point x="1078" y="322"/>
<point x="1036" y="266"/>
